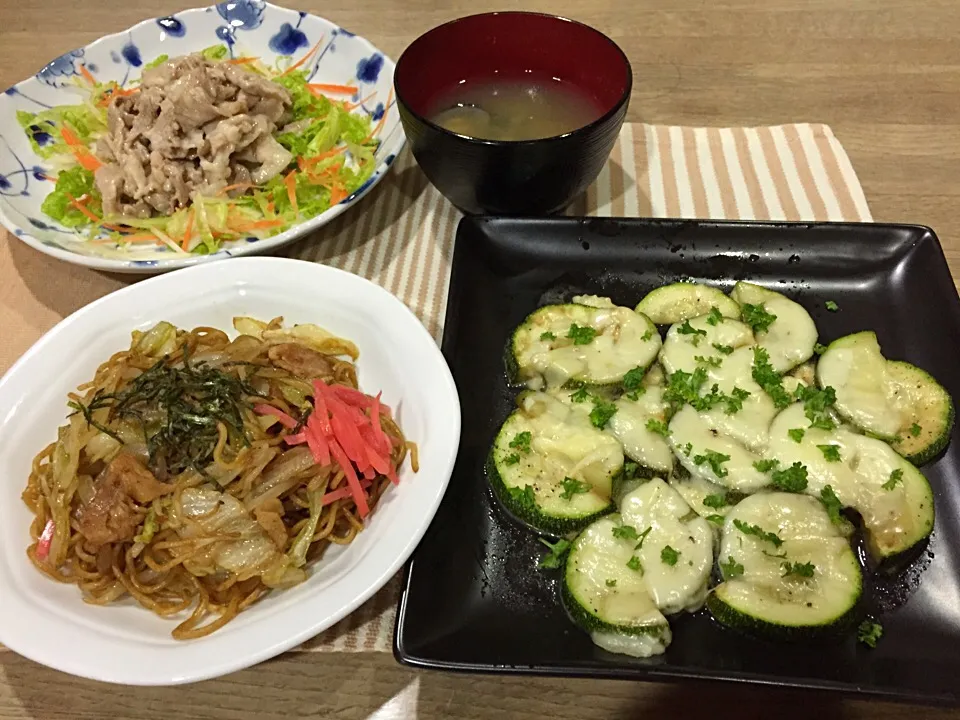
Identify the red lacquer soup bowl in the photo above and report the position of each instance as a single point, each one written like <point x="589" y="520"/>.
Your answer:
<point x="506" y="177"/>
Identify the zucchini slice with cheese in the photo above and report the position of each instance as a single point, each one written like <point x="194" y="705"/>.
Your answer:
<point x="605" y="592"/>
<point x="581" y="343"/>
<point x="631" y="425"/>
<point x="892" y="400"/>
<point x="712" y="456"/>
<point x="787" y="570"/>
<point x="702" y="340"/>
<point x="684" y="301"/>
<point x="892" y="497"/>
<point x="707" y="499"/>
<point x="789" y="337"/>
<point x="747" y="413"/>
<point x="675" y="546"/>
<point x="551" y="467"/>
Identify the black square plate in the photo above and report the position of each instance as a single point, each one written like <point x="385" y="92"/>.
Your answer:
<point x="474" y="599"/>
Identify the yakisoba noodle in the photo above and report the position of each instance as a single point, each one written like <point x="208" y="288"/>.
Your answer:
<point x="197" y="473"/>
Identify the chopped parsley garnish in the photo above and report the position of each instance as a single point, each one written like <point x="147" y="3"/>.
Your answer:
<point x="816" y="403"/>
<point x="629" y="470"/>
<point x="580" y="396"/>
<point x="757" y="317"/>
<point x="831" y="306"/>
<point x="768" y="378"/>
<point x="687" y="449"/>
<point x="581" y="334"/>
<point x="714" y="316"/>
<point x="766" y="465"/>
<point x="611" y="582"/>
<point x="715" y="460"/>
<point x="758" y="532"/>
<point x="633" y="378"/>
<point x="708" y="361"/>
<point x="634" y="564"/>
<point x="734" y="401"/>
<point x="819" y="349"/>
<point x="646" y="336"/>
<point x="572" y="486"/>
<point x="635" y="394"/>
<point x="915" y="430"/>
<point x="658" y="426"/>
<point x="625" y="532"/>
<point x="895" y="477"/>
<point x="643" y="536"/>
<point x="796" y="434"/>
<point x="524" y="497"/>
<point x="688" y="329"/>
<point x="723" y="349"/>
<point x="715" y="519"/>
<point x="547" y="336"/>
<point x="869" y="632"/>
<point x="832" y="505"/>
<point x="683" y="387"/>
<point x="669" y="556"/>
<point x="803" y="570"/>
<point x="512" y="459"/>
<point x="554" y="558"/>
<point x="716" y="501"/>
<point x="602" y="412"/>
<point x="521" y="441"/>
<point x="731" y="568"/>
<point x="791" y="479"/>
<point x="831" y="453"/>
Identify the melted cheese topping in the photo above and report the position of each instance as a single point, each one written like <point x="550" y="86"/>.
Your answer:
<point x="629" y="426"/>
<point x="623" y="340"/>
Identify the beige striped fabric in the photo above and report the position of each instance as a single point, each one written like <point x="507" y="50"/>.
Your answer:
<point x="401" y="235"/>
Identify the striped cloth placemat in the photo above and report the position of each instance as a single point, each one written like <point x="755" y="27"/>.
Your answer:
<point x="401" y="236"/>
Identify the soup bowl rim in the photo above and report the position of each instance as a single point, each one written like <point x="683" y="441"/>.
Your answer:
<point x="582" y="130"/>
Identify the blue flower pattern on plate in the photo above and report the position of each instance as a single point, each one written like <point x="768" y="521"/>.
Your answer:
<point x="130" y="50"/>
<point x="368" y="69"/>
<point x="132" y="54"/>
<point x="172" y="26"/>
<point x="288" y="41"/>
<point x="59" y="71"/>
<point x="243" y="14"/>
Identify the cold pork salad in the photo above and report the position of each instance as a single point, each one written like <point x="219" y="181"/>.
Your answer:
<point x="205" y="149"/>
<point x="723" y="464"/>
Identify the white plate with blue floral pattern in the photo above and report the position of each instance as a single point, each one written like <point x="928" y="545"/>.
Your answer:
<point x="246" y="27"/>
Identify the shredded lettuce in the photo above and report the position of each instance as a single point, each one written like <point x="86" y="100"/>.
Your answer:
<point x="159" y="60"/>
<point x="74" y="183"/>
<point x="334" y="151"/>
<point x="215" y="52"/>
<point x="43" y="128"/>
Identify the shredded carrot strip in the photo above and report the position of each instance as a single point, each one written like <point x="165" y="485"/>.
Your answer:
<point x="291" y="182"/>
<point x="383" y="118"/>
<point x="337" y="194"/>
<point x="258" y="225"/>
<point x="82" y="208"/>
<point x="350" y="107"/>
<point x="302" y="60"/>
<point x="84" y="156"/>
<point x="338" y="89"/>
<point x="270" y="206"/>
<point x="241" y="60"/>
<point x="87" y="74"/>
<point x="235" y="186"/>
<point x="188" y="231"/>
<point x="47" y="177"/>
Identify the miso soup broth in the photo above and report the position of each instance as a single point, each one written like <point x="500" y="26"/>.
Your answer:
<point x="514" y="109"/>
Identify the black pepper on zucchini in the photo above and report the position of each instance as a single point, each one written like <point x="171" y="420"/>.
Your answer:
<point x="551" y="467"/>
<point x="559" y="344"/>
<point x="788" y="573"/>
